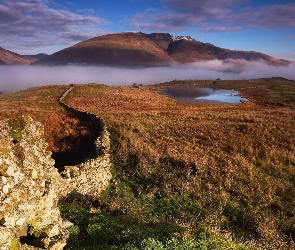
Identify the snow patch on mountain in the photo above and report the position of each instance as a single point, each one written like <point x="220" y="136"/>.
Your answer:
<point x="178" y="38"/>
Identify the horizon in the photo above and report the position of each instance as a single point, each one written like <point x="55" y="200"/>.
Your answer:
<point x="42" y="26"/>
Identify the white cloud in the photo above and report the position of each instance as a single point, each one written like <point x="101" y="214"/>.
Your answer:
<point x="216" y="16"/>
<point x="34" y="23"/>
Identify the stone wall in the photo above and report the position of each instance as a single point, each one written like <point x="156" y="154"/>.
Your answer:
<point x="30" y="186"/>
<point x="88" y="179"/>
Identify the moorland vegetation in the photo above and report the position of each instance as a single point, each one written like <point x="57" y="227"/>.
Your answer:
<point x="184" y="176"/>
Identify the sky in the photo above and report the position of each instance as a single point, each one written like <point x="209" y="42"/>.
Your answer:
<point x="47" y="26"/>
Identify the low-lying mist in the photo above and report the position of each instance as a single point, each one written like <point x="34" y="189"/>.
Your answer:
<point x="13" y="78"/>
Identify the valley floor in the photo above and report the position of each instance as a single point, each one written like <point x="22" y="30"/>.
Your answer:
<point x="190" y="176"/>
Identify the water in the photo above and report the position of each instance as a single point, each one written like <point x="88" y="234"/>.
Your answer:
<point x="204" y="95"/>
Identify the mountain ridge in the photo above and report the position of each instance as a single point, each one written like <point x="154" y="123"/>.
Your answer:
<point x="137" y="49"/>
<point x="10" y="58"/>
<point x="36" y="56"/>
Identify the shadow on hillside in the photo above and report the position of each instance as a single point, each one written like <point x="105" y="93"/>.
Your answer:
<point x="100" y="230"/>
<point x="81" y="147"/>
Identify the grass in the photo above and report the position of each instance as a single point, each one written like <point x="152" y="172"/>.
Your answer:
<point x="64" y="132"/>
<point x="196" y="177"/>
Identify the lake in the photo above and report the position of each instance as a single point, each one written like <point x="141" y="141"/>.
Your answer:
<point x="193" y="95"/>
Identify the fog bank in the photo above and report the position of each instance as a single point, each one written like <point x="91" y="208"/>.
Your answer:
<point x="13" y="78"/>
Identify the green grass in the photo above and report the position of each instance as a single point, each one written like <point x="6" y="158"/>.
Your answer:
<point x="100" y="230"/>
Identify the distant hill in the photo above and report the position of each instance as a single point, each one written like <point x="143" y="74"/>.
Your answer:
<point x="36" y="57"/>
<point x="188" y="51"/>
<point x="2" y="62"/>
<point x="223" y="54"/>
<point x="123" y="49"/>
<point x="145" y="50"/>
<point x="10" y="58"/>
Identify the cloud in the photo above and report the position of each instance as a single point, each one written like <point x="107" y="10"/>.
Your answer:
<point x="287" y="56"/>
<point x="34" y="23"/>
<point x="200" y="7"/>
<point x="154" y="19"/>
<point x="15" y="78"/>
<point x="273" y="16"/>
<point x="215" y="16"/>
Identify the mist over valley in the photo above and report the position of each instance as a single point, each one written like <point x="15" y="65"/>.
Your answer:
<point x="14" y="78"/>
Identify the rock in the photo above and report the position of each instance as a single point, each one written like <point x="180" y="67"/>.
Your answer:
<point x="87" y="180"/>
<point x="30" y="188"/>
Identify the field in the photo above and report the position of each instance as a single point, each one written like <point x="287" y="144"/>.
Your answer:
<point x="64" y="133"/>
<point x="184" y="176"/>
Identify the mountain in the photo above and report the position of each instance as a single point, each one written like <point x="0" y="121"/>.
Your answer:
<point x="10" y="58"/>
<point x="123" y="49"/>
<point x="223" y="54"/>
<point x="146" y="50"/>
<point x="2" y="62"/>
<point x="36" y="57"/>
<point x="188" y="51"/>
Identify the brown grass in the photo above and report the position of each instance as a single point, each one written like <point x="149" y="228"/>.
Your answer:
<point x="233" y="165"/>
<point x="41" y="103"/>
<point x="236" y="160"/>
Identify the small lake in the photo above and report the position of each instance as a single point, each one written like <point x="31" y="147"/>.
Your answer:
<point x="193" y="95"/>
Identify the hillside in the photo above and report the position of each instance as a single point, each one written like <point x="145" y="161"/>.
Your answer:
<point x="2" y="62"/>
<point x="190" y="176"/>
<point x="124" y="49"/>
<point x="223" y="54"/>
<point x="145" y="50"/>
<point x="10" y="58"/>
<point x="35" y="57"/>
<point x="187" y="51"/>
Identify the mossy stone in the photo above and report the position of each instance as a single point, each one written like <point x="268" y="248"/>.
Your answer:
<point x="15" y="244"/>
<point x="17" y="126"/>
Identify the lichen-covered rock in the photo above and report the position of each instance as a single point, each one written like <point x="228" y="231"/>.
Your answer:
<point x="30" y="188"/>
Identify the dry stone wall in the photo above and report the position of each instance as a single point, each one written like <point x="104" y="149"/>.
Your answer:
<point x="30" y="186"/>
<point x="88" y="179"/>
